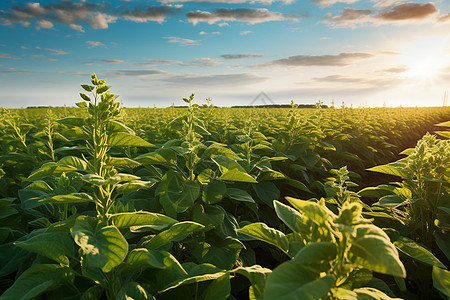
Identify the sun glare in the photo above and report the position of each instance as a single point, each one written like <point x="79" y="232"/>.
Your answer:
<point x="424" y="58"/>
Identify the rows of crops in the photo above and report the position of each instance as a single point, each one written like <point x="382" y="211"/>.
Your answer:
<point x="103" y="202"/>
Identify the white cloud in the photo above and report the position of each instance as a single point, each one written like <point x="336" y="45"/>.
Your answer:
<point x="327" y="3"/>
<point x="182" y="41"/>
<point x="248" y="15"/>
<point x="152" y="13"/>
<point x="44" y="24"/>
<point x="342" y="59"/>
<point x="400" y="13"/>
<point x="93" y="44"/>
<point x="240" y="56"/>
<point x="265" y="2"/>
<point x="245" y="32"/>
<point x="56" y="51"/>
<point x="76" y="27"/>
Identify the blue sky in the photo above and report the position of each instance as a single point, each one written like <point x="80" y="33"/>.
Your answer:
<point x="362" y="52"/>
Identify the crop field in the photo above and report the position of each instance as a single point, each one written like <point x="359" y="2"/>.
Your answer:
<point x="200" y="202"/>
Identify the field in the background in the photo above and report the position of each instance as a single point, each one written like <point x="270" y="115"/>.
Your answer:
<point x="204" y="203"/>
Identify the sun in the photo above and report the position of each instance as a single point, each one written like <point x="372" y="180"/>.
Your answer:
<point x="424" y="58"/>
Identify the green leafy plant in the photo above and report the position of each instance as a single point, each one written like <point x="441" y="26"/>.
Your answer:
<point x="331" y="256"/>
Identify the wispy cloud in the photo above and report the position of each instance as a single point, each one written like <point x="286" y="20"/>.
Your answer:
<point x="198" y="62"/>
<point x="248" y="15"/>
<point x="9" y="56"/>
<point x="152" y="13"/>
<point x="76" y="27"/>
<point x="93" y="44"/>
<point x="210" y="33"/>
<point x="444" y="18"/>
<point x="11" y="71"/>
<point x="400" y="13"/>
<point x="56" y="51"/>
<point x="342" y="59"/>
<point x="182" y="41"/>
<point x="266" y="2"/>
<point x="245" y="32"/>
<point x="327" y="3"/>
<point x="240" y="56"/>
<point x="396" y="70"/>
<point x="137" y="73"/>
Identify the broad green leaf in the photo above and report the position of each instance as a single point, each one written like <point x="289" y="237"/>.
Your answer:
<point x="267" y="192"/>
<point x="213" y="191"/>
<point x="257" y="276"/>
<point x="408" y="151"/>
<point x="290" y="281"/>
<point x="57" y="246"/>
<point x="239" y="195"/>
<point x="142" y="258"/>
<point x="214" y="151"/>
<point x="73" y="161"/>
<point x="367" y="293"/>
<point x="392" y="201"/>
<point x="269" y="235"/>
<point x="87" y="88"/>
<point x="134" y="186"/>
<point x="104" y="248"/>
<point x="236" y="175"/>
<point x="416" y="251"/>
<point x="102" y="88"/>
<point x="69" y="198"/>
<point x="81" y="104"/>
<point x="372" y="249"/>
<point x="116" y="126"/>
<point x="441" y="280"/>
<point x="198" y="273"/>
<point x="36" y="280"/>
<point x="177" y="194"/>
<point x="85" y="97"/>
<point x="232" y="170"/>
<point x="93" y="293"/>
<point x="123" y="162"/>
<point x="73" y="121"/>
<point x="388" y="169"/>
<point x="208" y="215"/>
<point x="94" y="179"/>
<point x="7" y="211"/>
<point x="51" y="168"/>
<point x="222" y="254"/>
<point x="317" y="253"/>
<point x="175" y="232"/>
<point x="219" y="289"/>
<point x="124" y="139"/>
<point x="153" y="220"/>
<point x="270" y="175"/>
<point x="297" y="184"/>
<point x="377" y="192"/>
<point x="39" y="185"/>
<point x="289" y="216"/>
<point x="160" y="156"/>
<point x="133" y="291"/>
<point x="312" y="210"/>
